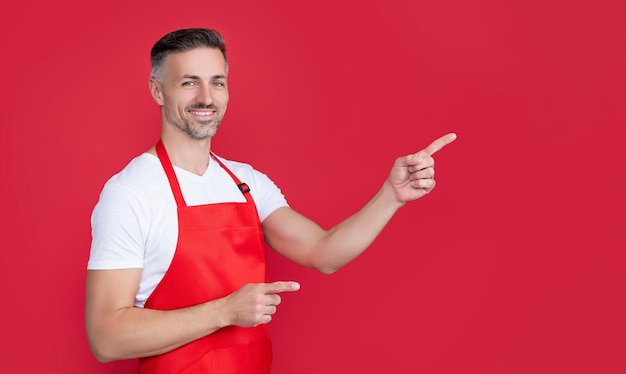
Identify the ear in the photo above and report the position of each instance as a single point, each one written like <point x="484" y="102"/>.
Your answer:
<point x="156" y="91"/>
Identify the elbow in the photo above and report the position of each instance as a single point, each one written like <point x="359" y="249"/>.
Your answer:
<point x="325" y="261"/>
<point x="325" y="268"/>
<point x="328" y="271"/>
<point x="102" y="351"/>
<point x="103" y="359"/>
<point x="102" y="355"/>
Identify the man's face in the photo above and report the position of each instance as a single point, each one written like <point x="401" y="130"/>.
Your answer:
<point x="193" y="91"/>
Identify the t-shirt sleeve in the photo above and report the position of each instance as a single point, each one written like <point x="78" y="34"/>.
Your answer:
<point x="268" y="196"/>
<point x="117" y="229"/>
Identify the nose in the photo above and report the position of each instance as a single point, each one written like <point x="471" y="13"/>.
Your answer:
<point x="205" y="95"/>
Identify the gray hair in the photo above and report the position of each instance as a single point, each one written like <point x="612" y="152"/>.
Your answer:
<point x="183" y="40"/>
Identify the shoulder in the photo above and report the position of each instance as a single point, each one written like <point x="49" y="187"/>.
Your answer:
<point x="140" y="183"/>
<point x="235" y="166"/>
<point x="140" y="173"/>
<point x="267" y="195"/>
<point x="244" y="171"/>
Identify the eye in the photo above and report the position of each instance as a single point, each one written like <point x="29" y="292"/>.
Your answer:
<point x="218" y="84"/>
<point x="188" y="83"/>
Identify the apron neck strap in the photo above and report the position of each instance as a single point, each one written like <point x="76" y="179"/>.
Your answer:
<point x="171" y="176"/>
<point x="245" y="190"/>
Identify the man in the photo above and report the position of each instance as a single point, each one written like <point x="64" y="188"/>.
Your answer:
<point x="176" y="275"/>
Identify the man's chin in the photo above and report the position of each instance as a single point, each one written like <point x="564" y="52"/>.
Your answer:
<point x="203" y="135"/>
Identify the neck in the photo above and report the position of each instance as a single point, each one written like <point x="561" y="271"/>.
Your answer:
<point x="187" y="153"/>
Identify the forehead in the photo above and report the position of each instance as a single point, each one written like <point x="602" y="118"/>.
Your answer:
<point x="203" y="62"/>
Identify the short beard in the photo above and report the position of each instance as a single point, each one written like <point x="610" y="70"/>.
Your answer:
<point x="196" y="131"/>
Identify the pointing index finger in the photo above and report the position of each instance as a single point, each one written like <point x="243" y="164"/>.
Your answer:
<point x="277" y="287"/>
<point x="439" y="143"/>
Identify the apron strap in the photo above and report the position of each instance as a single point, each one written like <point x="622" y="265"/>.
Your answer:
<point x="171" y="176"/>
<point x="245" y="190"/>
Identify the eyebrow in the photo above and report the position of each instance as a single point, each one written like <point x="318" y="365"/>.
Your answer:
<point x="218" y="76"/>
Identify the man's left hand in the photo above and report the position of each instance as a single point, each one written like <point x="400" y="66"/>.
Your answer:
<point x="413" y="176"/>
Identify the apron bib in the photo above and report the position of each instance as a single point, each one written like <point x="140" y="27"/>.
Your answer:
<point x="220" y="248"/>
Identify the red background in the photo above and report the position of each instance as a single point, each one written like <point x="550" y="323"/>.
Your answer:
<point x="514" y="264"/>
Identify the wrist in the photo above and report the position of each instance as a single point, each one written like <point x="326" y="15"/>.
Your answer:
<point x="389" y="197"/>
<point x="218" y="308"/>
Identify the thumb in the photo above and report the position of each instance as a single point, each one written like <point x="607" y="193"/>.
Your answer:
<point x="411" y="160"/>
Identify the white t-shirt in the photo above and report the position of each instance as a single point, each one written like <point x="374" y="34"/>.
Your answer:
<point x="135" y="223"/>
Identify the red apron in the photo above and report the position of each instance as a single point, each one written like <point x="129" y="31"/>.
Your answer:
<point x="220" y="248"/>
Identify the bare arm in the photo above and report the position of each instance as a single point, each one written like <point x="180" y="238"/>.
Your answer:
<point x="117" y="330"/>
<point x="304" y="242"/>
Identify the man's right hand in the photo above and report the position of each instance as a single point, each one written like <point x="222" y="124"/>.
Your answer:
<point x="254" y="304"/>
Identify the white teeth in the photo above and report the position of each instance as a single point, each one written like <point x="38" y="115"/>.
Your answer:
<point x="202" y="113"/>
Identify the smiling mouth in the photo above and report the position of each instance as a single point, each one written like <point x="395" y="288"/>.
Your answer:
<point x="201" y="114"/>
